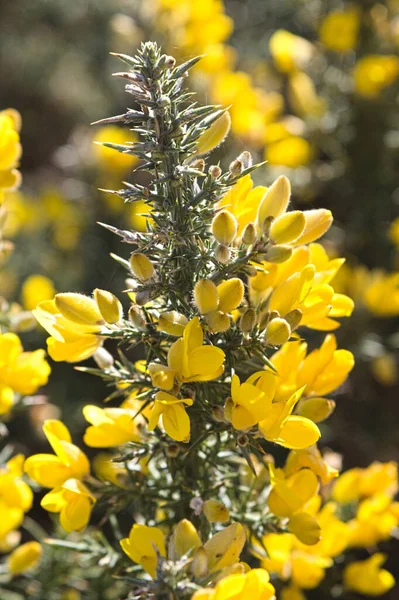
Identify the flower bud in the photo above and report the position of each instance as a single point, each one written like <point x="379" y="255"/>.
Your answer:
<point x="24" y="557"/>
<point x="136" y="317"/>
<point x="217" y="321"/>
<point x="206" y="296"/>
<point x="214" y="135"/>
<point x="218" y="414"/>
<point x="278" y="254"/>
<point x="277" y="332"/>
<point x="172" y="322"/>
<point x="246" y="159"/>
<point x="170" y="62"/>
<point x="248" y="320"/>
<point x="275" y="200"/>
<point x="215" y="511"/>
<point x="224" y="227"/>
<point x="103" y="358"/>
<point x="316" y="409"/>
<point x="317" y="223"/>
<point x="249" y="234"/>
<point x="231" y="294"/>
<point x="288" y="227"/>
<point x="222" y="254"/>
<point x="173" y="450"/>
<point x="215" y="171"/>
<point x="198" y="165"/>
<point x="294" y="318"/>
<point x="108" y="305"/>
<point x="243" y="440"/>
<point x="141" y="266"/>
<point x="236" y="167"/>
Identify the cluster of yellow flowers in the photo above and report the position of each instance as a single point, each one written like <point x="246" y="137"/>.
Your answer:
<point x="258" y="113"/>
<point x="222" y="285"/>
<point x="21" y="374"/>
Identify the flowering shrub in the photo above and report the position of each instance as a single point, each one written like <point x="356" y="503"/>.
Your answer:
<point x="213" y="486"/>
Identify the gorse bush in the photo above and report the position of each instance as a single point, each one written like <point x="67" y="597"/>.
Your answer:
<point x="212" y="485"/>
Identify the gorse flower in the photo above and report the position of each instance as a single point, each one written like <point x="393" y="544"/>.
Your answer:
<point x="20" y="372"/>
<point x="222" y="283"/>
<point x="73" y="320"/>
<point x="188" y="360"/>
<point x="10" y="151"/>
<point x="63" y="472"/>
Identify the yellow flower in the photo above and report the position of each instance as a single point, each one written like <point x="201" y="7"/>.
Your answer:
<point x="184" y="540"/>
<point x="24" y="558"/>
<point x="384" y="369"/>
<point x="322" y="370"/>
<point x="255" y="585"/>
<point x="108" y="158"/>
<point x="35" y="289"/>
<point x="16" y="499"/>
<point x="289" y="51"/>
<point x="339" y="30"/>
<point x="143" y="545"/>
<point x="224" y="548"/>
<point x="303" y="96"/>
<point x="292" y="152"/>
<point x="373" y="73"/>
<point x="174" y="417"/>
<point x="252" y="400"/>
<point x="109" y="426"/>
<point x="302" y="282"/>
<point x="381" y="294"/>
<point x="21" y="372"/>
<point x="375" y="521"/>
<point x="10" y="151"/>
<point x="288" y="430"/>
<point x="69" y="462"/>
<point x="74" y="501"/>
<point x="108" y="469"/>
<point x="188" y="360"/>
<point x="366" y="576"/>
<point x="361" y="483"/>
<point x="290" y="495"/>
<point x="72" y="320"/>
<point x="215" y="511"/>
<point x="312" y="459"/>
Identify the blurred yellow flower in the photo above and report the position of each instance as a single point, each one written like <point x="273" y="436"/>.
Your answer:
<point x="24" y="558"/>
<point x="373" y="73"/>
<point x="35" y="289"/>
<point x="290" y="52"/>
<point x="292" y="152"/>
<point x="143" y="546"/>
<point x="339" y="30"/>
<point x="63" y="471"/>
<point x="366" y="576"/>
<point x="10" y="151"/>
<point x="109" y="426"/>
<point x="20" y="372"/>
